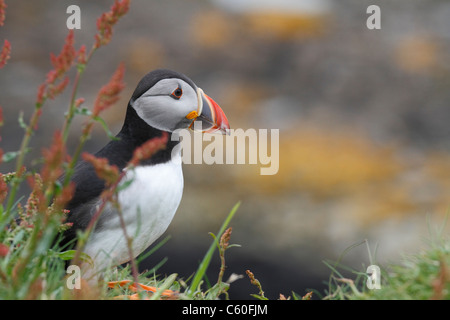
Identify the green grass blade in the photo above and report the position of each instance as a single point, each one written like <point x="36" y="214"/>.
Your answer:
<point x="166" y="285"/>
<point x="207" y="258"/>
<point x="147" y="254"/>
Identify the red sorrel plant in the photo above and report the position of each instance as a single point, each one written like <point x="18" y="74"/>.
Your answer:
<point x="6" y="49"/>
<point x="2" y="12"/>
<point x="27" y="246"/>
<point x="5" y="53"/>
<point x="31" y="264"/>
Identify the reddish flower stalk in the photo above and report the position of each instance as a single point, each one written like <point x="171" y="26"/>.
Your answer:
<point x="64" y="197"/>
<point x="3" y="189"/>
<point x="105" y="171"/>
<point x="54" y="90"/>
<point x="36" y="202"/>
<point x="35" y="182"/>
<point x="109" y="93"/>
<point x="223" y="246"/>
<point x="5" y="54"/>
<point x="104" y="25"/>
<point x="41" y="95"/>
<point x="225" y="239"/>
<point x="78" y="102"/>
<point x="255" y="282"/>
<point x="4" y="249"/>
<point x="107" y="20"/>
<point x="149" y="148"/>
<point x="2" y="12"/>
<point x="81" y="54"/>
<point x="53" y="160"/>
<point x="62" y="62"/>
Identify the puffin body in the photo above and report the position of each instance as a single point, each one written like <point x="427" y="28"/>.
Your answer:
<point x="148" y="205"/>
<point x="163" y="101"/>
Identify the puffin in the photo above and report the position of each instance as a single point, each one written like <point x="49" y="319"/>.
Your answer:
<point x="163" y="102"/>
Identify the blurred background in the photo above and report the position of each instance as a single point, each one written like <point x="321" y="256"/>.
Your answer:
<point x="363" y="118"/>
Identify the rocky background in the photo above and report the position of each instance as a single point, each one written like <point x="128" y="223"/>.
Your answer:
<point x="363" y="118"/>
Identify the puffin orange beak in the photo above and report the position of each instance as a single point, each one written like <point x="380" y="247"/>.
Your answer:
<point x="211" y="118"/>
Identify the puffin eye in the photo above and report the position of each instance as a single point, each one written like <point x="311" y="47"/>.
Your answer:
<point x="177" y="93"/>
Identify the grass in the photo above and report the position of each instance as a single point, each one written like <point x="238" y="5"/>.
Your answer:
<point x="191" y="289"/>
<point x="199" y="275"/>
<point x="45" y="276"/>
<point x="421" y="276"/>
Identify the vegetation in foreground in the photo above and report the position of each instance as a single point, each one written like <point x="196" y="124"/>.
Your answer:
<point x="421" y="276"/>
<point x="32" y="265"/>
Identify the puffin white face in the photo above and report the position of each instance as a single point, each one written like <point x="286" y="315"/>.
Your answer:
<point x="167" y="100"/>
<point x="169" y="104"/>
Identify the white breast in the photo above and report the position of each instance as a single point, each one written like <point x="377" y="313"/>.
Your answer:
<point x="148" y="205"/>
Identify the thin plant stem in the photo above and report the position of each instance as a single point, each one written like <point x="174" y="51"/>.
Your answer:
<point x="71" y="113"/>
<point x="208" y="256"/>
<point x="20" y="160"/>
<point x="134" y="270"/>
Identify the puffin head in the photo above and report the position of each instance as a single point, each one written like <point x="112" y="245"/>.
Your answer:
<point x="168" y="100"/>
